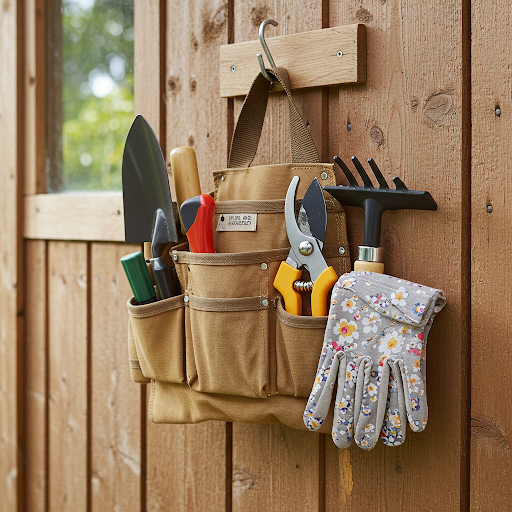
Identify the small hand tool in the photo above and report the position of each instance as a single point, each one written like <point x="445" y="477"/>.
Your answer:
<point x="374" y="202"/>
<point x="185" y="175"/>
<point x="145" y="184"/>
<point x="138" y="276"/>
<point x="166" y="280"/>
<point x="306" y="236"/>
<point x="197" y="217"/>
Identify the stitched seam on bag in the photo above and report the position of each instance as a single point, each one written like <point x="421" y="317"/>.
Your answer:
<point x="266" y="206"/>
<point x="226" y="259"/>
<point x="155" y="311"/>
<point x="226" y="304"/>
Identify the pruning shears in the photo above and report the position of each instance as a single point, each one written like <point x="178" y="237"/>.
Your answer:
<point x="306" y="236"/>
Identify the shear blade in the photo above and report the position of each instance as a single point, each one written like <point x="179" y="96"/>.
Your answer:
<point x="312" y="219"/>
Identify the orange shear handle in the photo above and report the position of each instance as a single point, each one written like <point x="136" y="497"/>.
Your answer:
<point x="323" y="285"/>
<point x="283" y="283"/>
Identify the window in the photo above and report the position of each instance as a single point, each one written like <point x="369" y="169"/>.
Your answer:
<point x="90" y="59"/>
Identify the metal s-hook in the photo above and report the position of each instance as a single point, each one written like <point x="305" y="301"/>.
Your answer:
<point x="267" y="51"/>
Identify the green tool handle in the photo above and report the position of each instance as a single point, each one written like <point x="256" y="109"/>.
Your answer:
<point x="139" y="278"/>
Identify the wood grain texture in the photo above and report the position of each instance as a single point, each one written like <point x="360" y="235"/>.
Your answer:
<point x="10" y="294"/>
<point x="408" y="118"/>
<point x="196" y="114"/>
<point x="75" y="216"/>
<point x="311" y="59"/>
<point x="275" y="468"/>
<point x="187" y="463"/>
<point x="68" y="376"/>
<point x="186" y="467"/>
<point x="491" y="241"/>
<point x="35" y="97"/>
<point x="265" y="457"/>
<point x="115" y="401"/>
<point x="36" y="384"/>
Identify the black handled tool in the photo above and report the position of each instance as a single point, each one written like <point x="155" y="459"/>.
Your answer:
<point x="374" y="202"/>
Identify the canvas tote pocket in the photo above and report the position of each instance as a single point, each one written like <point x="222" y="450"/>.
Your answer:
<point x="299" y="340"/>
<point x="230" y="344"/>
<point x="158" y="332"/>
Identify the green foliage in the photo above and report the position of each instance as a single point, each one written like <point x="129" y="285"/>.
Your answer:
<point x="97" y="91"/>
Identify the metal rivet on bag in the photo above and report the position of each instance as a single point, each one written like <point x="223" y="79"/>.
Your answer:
<point x="339" y="54"/>
<point x="233" y="69"/>
<point x="264" y="266"/>
<point x="175" y="257"/>
<point x="324" y="176"/>
<point x="188" y="268"/>
<point x="222" y="178"/>
<point x="185" y="299"/>
<point x="264" y="302"/>
<point x="341" y="250"/>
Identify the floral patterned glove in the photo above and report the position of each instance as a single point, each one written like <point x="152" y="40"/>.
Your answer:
<point x="374" y="348"/>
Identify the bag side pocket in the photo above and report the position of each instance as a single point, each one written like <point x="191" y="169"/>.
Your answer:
<point x="299" y="341"/>
<point x="158" y="333"/>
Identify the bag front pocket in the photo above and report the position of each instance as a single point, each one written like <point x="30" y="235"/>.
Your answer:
<point x="299" y="341"/>
<point x="228" y="345"/>
<point x="158" y="330"/>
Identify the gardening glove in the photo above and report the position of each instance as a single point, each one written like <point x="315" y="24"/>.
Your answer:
<point x="374" y="349"/>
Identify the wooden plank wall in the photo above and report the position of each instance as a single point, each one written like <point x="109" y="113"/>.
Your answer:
<point x="80" y="424"/>
<point x="10" y="284"/>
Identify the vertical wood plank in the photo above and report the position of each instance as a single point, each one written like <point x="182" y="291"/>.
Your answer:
<point x="35" y="362"/>
<point x="9" y="292"/>
<point x="68" y="375"/>
<point x="187" y="463"/>
<point x="196" y="115"/>
<point x="491" y="240"/>
<point x="148" y="57"/>
<point x="409" y="118"/>
<point x="276" y="467"/>
<point x="116" y="404"/>
<point x="35" y="95"/>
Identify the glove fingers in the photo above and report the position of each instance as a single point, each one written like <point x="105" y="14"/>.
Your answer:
<point x="415" y="396"/>
<point x="394" y="429"/>
<point x="320" y="398"/>
<point x="373" y="405"/>
<point x="344" y="407"/>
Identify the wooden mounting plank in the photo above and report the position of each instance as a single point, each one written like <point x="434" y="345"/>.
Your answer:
<point x="311" y="58"/>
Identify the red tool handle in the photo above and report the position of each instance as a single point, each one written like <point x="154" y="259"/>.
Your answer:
<point x="197" y="216"/>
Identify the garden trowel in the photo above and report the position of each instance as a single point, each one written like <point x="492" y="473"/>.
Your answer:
<point x="146" y="194"/>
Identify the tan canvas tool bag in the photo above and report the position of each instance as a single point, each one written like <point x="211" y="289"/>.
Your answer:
<point x="226" y="349"/>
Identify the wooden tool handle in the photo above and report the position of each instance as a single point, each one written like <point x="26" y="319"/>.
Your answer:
<point x="185" y="175"/>
<point x="369" y="266"/>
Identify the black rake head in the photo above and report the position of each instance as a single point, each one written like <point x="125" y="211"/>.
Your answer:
<point x="375" y="201"/>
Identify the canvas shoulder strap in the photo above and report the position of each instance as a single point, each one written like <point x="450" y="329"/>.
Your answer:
<point x="250" y="123"/>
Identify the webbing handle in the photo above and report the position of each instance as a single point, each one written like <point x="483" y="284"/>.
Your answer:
<point x="248" y="128"/>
